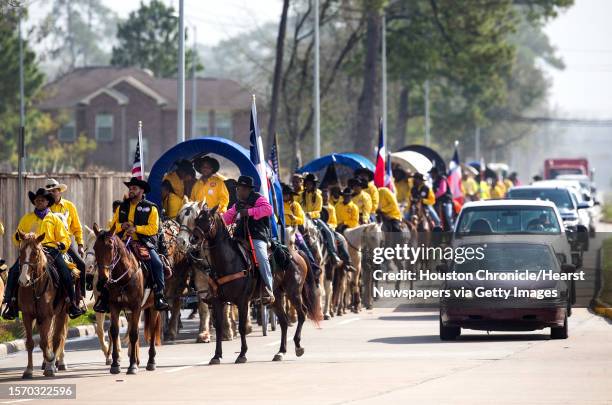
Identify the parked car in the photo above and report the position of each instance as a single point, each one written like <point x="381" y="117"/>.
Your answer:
<point x="519" y="311"/>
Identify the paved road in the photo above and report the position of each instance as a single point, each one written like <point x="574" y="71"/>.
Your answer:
<point x="384" y="355"/>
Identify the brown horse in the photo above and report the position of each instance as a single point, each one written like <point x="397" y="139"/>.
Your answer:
<point x="227" y="264"/>
<point x="126" y="287"/>
<point x="40" y="300"/>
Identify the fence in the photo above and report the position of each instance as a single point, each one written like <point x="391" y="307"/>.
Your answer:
<point x="92" y="193"/>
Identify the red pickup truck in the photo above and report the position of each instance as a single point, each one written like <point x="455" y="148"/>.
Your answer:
<point x="555" y="167"/>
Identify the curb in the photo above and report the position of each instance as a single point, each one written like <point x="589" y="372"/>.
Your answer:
<point x="18" y="345"/>
<point x="603" y="309"/>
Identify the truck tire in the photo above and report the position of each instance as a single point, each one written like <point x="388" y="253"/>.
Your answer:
<point x="559" y="332"/>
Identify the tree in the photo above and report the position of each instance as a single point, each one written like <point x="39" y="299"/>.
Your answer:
<point x="149" y="39"/>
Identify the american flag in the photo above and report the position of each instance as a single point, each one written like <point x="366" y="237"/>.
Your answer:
<point x="137" y="167"/>
<point x="274" y="156"/>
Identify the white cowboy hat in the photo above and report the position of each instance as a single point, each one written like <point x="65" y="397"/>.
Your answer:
<point x="52" y="184"/>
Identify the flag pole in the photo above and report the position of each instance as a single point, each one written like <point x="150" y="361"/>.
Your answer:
<point x="141" y="148"/>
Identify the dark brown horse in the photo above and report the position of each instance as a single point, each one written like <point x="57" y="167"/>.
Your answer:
<point x="126" y="287"/>
<point x="39" y="300"/>
<point x="235" y="283"/>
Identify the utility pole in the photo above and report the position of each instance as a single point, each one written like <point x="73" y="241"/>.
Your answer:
<point x="21" y="139"/>
<point x="194" y="88"/>
<point x="317" y="106"/>
<point x="384" y="78"/>
<point x="180" y="126"/>
<point x="477" y="144"/>
<point x="427" y="128"/>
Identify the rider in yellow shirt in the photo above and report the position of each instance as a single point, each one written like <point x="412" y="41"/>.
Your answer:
<point x="55" y="239"/>
<point x="347" y="212"/>
<point x="388" y="209"/>
<point x="182" y="176"/>
<point x="211" y="186"/>
<point x="171" y="202"/>
<point x="372" y="190"/>
<point x="470" y="187"/>
<point x="297" y="182"/>
<point x="362" y="199"/>
<point x="294" y="214"/>
<point x="328" y="213"/>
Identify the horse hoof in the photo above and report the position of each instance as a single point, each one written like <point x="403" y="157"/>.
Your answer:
<point x="326" y="317"/>
<point x="49" y="373"/>
<point x="299" y="351"/>
<point x="27" y="375"/>
<point x="241" y="360"/>
<point x="115" y="370"/>
<point x="151" y="367"/>
<point x="278" y="357"/>
<point x="61" y="367"/>
<point x="109" y="362"/>
<point x="203" y="339"/>
<point x="132" y="370"/>
<point x="169" y="338"/>
<point x="249" y="330"/>
<point x="214" y="361"/>
<point x="43" y="365"/>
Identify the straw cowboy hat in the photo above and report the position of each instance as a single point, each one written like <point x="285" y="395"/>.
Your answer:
<point x="53" y="184"/>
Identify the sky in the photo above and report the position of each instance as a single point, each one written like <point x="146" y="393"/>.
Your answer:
<point x="581" y="36"/>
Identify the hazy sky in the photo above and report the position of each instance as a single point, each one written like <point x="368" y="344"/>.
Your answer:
<point x="581" y="35"/>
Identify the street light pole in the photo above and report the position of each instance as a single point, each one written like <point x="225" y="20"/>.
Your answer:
<point x="317" y="106"/>
<point x="194" y="88"/>
<point x="477" y="144"/>
<point x="384" y="78"/>
<point x="427" y="129"/>
<point x="21" y="136"/>
<point x="180" y="127"/>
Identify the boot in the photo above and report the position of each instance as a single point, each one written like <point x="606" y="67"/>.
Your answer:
<point x="75" y="311"/>
<point x="10" y="311"/>
<point x="267" y="296"/>
<point x="160" y="302"/>
<point x="101" y="304"/>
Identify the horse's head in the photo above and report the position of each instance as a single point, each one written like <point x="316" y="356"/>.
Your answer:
<point x="90" y="239"/>
<point x="186" y="219"/>
<point x="106" y="250"/>
<point x="208" y="223"/>
<point x="32" y="259"/>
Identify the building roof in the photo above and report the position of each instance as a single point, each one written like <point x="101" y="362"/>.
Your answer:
<point x="82" y="84"/>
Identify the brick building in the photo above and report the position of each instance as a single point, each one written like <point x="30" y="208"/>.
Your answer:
<point x="106" y="103"/>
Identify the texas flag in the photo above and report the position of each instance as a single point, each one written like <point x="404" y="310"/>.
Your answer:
<point x="382" y="173"/>
<point x="454" y="176"/>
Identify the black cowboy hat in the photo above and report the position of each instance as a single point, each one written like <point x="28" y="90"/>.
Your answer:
<point x="134" y="181"/>
<point x="365" y="171"/>
<point x="363" y="182"/>
<point x="352" y="182"/>
<point x="311" y="177"/>
<point x="245" y="181"/>
<point x="288" y="190"/>
<point x="297" y="176"/>
<point x="41" y="192"/>
<point x="199" y="161"/>
<point x="418" y="176"/>
<point x="347" y="191"/>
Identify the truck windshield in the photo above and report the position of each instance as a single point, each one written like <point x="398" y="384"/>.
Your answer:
<point x="508" y="257"/>
<point x="508" y="220"/>
<point x="560" y="197"/>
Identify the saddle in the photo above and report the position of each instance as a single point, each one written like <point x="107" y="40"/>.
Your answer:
<point x="248" y="258"/>
<point x="281" y="256"/>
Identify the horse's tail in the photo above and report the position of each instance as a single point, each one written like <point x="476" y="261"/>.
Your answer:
<point x="152" y="320"/>
<point x="310" y="298"/>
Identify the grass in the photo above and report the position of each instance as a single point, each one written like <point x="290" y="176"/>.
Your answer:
<point x="11" y="330"/>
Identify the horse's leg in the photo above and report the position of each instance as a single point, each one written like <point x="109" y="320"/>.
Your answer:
<point x="218" y="310"/>
<point x="44" y="329"/>
<point x="327" y="286"/>
<point x="279" y="309"/>
<point x="114" y="334"/>
<point x="154" y="325"/>
<point x="296" y="299"/>
<point x="204" y="329"/>
<point x="101" y="338"/>
<point x="27" y="323"/>
<point x="228" y="331"/>
<point x="134" y="320"/>
<point x="243" y="313"/>
<point x="60" y="330"/>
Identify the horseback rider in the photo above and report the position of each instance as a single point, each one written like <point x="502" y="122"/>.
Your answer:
<point x="335" y="195"/>
<point x="3" y="265"/>
<point x="137" y="219"/>
<point x="312" y="203"/>
<point x="69" y="214"/>
<point x="470" y="187"/>
<point x="56" y="242"/>
<point x="420" y="192"/>
<point x="210" y="188"/>
<point x="171" y="202"/>
<point x="368" y="175"/>
<point x="297" y="183"/>
<point x="361" y="198"/>
<point x="183" y="176"/>
<point x="252" y="213"/>
<point x="328" y="215"/>
<point x="347" y="212"/>
<point x="388" y="210"/>
<point x="403" y="182"/>
<point x="444" y="196"/>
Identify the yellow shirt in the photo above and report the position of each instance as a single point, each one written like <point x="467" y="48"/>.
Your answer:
<point x="485" y="191"/>
<point x="171" y="205"/>
<point x="177" y="184"/>
<point x="348" y="214"/>
<point x="388" y="204"/>
<point x="403" y="190"/>
<point x="69" y="212"/>
<point x="294" y="208"/>
<point x="51" y="225"/>
<point x="150" y="229"/>
<point x="212" y="191"/>
<point x="364" y="204"/>
<point x="470" y="187"/>
<point x="312" y="206"/>
<point x="429" y="199"/>
<point x="298" y="196"/>
<point x="373" y="192"/>
<point x="332" y="221"/>
<point x="499" y="190"/>
<point x="508" y="184"/>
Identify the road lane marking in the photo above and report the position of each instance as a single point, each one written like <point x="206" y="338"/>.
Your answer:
<point x="174" y="370"/>
<point x="348" y="321"/>
<point x="273" y="343"/>
<point x="16" y="401"/>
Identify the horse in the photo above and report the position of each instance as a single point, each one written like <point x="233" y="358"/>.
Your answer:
<point x="235" y="282"/>
<point x="126" y="287"/>
<point x="39" y="299"/>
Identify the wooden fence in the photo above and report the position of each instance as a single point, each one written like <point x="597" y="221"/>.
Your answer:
<point x="92" y="193"/>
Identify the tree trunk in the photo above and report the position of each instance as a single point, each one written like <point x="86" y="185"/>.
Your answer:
<point x="278" y="69"/>
<point x="402" y="119"/>
<point x="366" y="132"/>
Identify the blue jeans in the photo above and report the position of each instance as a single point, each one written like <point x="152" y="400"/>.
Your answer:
<point x="157" y="270"/>
<point x="433" y="214"/>
<point x="261" y="251"/>
<point x="447" y="210"/>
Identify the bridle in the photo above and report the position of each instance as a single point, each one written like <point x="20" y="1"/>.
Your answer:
<point x="115" y="258"/>
<point x="32" y="282"/>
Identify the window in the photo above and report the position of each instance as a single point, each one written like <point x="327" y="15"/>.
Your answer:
<point x="202" y="127"/>
<point x="144" y="150"/>
<point x="104" y="127"/>
<point x="67" y="133"/>
<point x="223" y="123"/>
